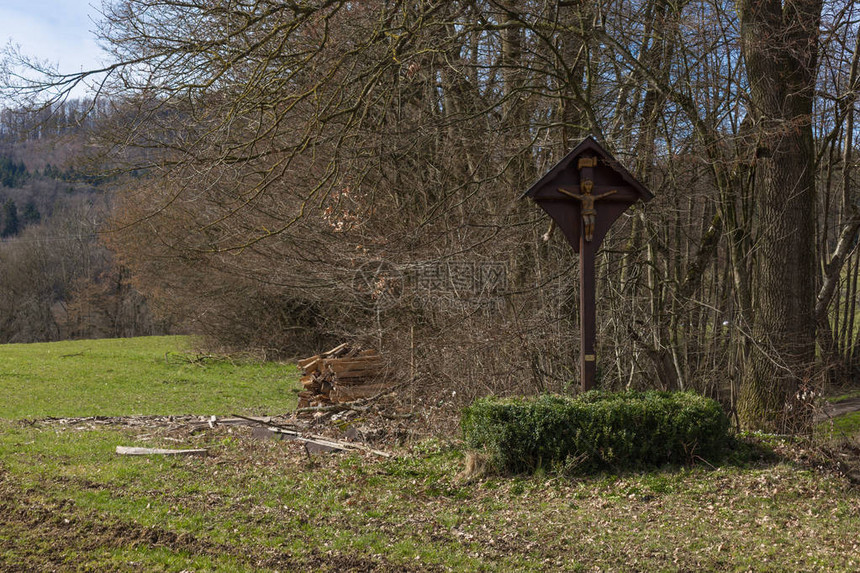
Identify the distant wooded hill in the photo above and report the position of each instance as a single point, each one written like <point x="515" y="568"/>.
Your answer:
<point x="58" y="280"/>
<point x="38" y="175"/>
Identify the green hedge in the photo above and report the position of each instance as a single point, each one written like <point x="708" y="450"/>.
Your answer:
<point x="597" y="430"/>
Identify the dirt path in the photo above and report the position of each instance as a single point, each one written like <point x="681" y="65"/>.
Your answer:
<point x="839" y="409"/>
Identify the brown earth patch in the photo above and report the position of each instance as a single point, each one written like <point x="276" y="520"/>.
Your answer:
<point x="45" y="534"/>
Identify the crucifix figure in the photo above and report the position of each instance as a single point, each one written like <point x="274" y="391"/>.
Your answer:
<point x="568" y="192"/>
<point x="589" y="212"/>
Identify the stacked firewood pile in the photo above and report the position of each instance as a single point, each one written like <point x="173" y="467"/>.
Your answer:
<point x="342" y="374"/>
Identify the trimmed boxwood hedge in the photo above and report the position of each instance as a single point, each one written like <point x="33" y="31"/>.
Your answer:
<point x="597" y="430"/>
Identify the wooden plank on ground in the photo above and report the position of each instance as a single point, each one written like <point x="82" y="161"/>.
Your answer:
<point x="130" y="451"/>
<point x="241" y="421"/>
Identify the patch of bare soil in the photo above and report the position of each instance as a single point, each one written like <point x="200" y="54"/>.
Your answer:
<point x="332" y="561"/>
<point x="841" y="408"/>
<point x="47" y="535"/>
<point x="41" y="535"/>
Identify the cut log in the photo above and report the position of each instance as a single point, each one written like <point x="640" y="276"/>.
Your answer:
<point x="305" y="362"/>
<point x="338" y="365"/>
<point x="351" y="361"/>
<point x="129" y="451"/>
<point x="345" y="367"/>
<point x="337" y="350"/>
<point x="357" y="381"/>
<point x="305" y="397"/>
<point x="346" y="377"/>
<point x="311" y="383"/>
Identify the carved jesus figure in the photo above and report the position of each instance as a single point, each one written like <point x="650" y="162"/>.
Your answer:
<point x="589" y="212"/>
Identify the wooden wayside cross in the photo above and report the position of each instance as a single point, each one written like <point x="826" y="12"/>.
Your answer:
<point x="585" y="193"/>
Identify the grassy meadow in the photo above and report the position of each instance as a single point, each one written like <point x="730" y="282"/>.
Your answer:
<point x="69" y="503"/>
<point x="159" y="375"/>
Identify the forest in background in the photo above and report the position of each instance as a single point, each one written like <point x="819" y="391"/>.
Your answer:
<point x="295" y="174"/>
<point x="57" y="279"/>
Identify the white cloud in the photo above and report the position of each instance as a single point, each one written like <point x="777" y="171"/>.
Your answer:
<point x="57" y="31"/>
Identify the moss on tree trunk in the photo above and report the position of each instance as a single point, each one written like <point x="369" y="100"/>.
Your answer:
<point x="780" y="49"/>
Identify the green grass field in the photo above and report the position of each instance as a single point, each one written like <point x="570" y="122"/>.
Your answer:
<point x="68" y="502"/>
<point x="136" y="376"/>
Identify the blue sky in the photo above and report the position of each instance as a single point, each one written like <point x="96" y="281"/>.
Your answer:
<point x="59" y="31"/>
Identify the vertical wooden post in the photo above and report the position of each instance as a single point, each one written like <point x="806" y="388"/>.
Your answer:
<point x="585" y="193"/>
<point x="587" y="299"/>
<point x="587" y="314"/>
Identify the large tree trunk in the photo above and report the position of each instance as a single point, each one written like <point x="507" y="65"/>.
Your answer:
<point x="779" y="44"/>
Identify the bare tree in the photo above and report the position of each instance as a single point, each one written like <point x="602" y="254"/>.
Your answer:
<point x="274" y="152"/>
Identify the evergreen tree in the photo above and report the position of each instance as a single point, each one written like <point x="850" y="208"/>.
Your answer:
<point x="31" y="214"/>
<point x="11" y="223"/>
<point x="12" y="173"/>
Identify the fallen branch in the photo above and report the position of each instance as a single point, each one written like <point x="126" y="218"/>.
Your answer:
<point x="323" y="441"/>
<point x="128" y="451"/>
<point x="267" y="422"/>
<point x="342" y="407"/>
<point x="328" y="443"/>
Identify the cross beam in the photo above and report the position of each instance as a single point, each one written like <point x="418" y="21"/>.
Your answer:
<point x="584" y="194"/>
